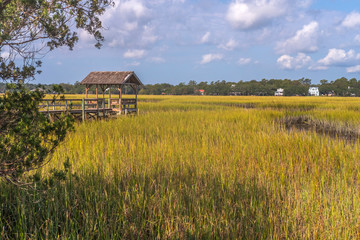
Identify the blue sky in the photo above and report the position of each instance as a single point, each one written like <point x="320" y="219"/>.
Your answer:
<point x="176" y="41"/>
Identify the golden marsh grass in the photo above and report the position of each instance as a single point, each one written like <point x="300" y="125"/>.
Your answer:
<point x="201" y="167"/>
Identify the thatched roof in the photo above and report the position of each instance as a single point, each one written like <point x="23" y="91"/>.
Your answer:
<point x="111" y="78"/>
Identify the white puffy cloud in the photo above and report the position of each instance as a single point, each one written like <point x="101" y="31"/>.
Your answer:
<point x="291" y="63"/>
<point x="305" y="40"/>
<point x="353" y="69"/>
<point x="134" y="53"/>
<point x="339" y="57"/>
<point x="205" y="38"/>
<point x="352" y="20"/>
<point x="207" y="58"/>
<point x="129" y="24"/>
<point x="247" y="14"/>
<point x="230" y="45"/>
<point x="244" y="61"/>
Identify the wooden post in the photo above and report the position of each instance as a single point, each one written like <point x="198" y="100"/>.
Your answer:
<point x="97" y="93"/>
<point x="83" y="109"/>
<point x="103" y="106"/>
<point x="97" y="106"/>
<point x="86" y="90"/>
<point x="136" y="99"/>
<point x="136" y="93"/>
<point x="120" y="100"/>
<point x="110" y="97"/>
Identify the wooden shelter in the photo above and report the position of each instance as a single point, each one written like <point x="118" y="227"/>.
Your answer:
<point x="109" y="80"/>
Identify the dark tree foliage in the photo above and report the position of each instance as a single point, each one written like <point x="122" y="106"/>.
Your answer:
<point x="28" y="30"/>
<point x="27" y="136"/>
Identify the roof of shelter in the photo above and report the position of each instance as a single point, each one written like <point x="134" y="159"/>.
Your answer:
<point x="111" y="78"/>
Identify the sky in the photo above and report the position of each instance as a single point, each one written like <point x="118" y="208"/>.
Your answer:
<point x="173" y="41"/>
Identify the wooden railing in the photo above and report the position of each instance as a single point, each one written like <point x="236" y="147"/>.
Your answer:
<point x="127" y="104"/>
<point x="88" y="106"/>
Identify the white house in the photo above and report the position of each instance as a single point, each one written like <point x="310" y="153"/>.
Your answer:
<point x="314" y="91"/>
<point x="279" y="92"/>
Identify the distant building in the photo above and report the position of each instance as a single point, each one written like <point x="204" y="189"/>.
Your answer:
<point x="314" y="91"/>
<point x="279" y="92"/>
<point x="201" y="91"/>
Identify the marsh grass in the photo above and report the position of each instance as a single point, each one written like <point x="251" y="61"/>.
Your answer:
<point x="347" y="132"/>
<point x="187" y="168"/>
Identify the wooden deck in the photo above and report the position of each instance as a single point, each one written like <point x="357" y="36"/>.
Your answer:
<point x="88" y="108"/>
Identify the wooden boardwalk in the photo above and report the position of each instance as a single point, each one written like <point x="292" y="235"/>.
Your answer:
<point x="88" y="108"/>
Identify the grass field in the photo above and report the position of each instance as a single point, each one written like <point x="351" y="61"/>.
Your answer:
<point x="201" y="167"/>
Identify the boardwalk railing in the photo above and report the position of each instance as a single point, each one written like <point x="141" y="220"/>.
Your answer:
<point x="88" y="108"/>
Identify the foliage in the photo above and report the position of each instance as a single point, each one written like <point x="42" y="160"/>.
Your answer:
<point x="27" y="136"/>
<point x="29" y="28"/>
<point x="265" y="87"/>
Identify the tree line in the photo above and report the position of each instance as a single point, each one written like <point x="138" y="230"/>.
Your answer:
<point x="265" y="87"/>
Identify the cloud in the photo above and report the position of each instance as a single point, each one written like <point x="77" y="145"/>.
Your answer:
<point x="129" y="24"/>
<point x="318" y="68"/>
<point x="357" y="38"/>
<point x="5" y="54"/>
<point x="205" y="38"/>
<point x="157" y="60"/>
<point x="133" y="64"/>
<point x="132" y="9"/>
<point x="230" y="45"/>
<point x="353" y="69"/>
<point x="305" y="40"/>
<point x="210" y="57"/>
<point x="291" y="63"/>
<point x="248" y="14"/>
<point x="304" y="3"/>
<point x="339" y="57"/>
<point x="352" y="20"/>
<point x="244" y="61"/>
<point x="134" y="53"/>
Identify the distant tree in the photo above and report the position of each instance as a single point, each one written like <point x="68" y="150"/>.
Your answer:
<point x="340" y="86"/>
<point x="324" y="81"/>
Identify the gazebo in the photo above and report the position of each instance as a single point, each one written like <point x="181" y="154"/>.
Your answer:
<point x="108" y="80"/>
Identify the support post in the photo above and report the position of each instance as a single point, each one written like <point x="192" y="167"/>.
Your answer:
<point x="86" y="90"/>
<point x="120" y="100"/>
<point x="110" y="97"/>
<point x="83" y="109"/>
<point x="103" y="107"/>
<point x="136" y="96"/>
<point x="97" y="107"/>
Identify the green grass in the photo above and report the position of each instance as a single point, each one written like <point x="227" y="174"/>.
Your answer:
<point x="199" y="167"/>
